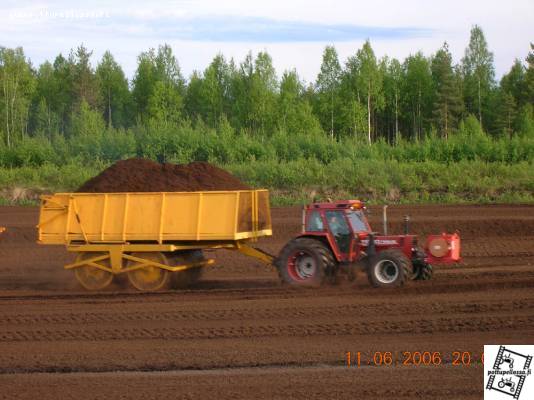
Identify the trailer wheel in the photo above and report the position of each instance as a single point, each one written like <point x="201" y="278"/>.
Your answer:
<point x="304" y="262"/>
<point x="149" y="278"/>
<point x="90" y="277"/>
<point x="389" y="268"/>
<point x="188" y="277"/>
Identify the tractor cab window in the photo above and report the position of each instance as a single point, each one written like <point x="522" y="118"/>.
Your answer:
<point x="357" y="221"/>
<point x="337" y="222"/>
<point x="340" y="229"/>
<point x="315" y="223"/>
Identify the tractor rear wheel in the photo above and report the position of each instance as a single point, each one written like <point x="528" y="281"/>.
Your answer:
<point x="305" y="262"/>
<point x="149" y="278"/>
<point x="389" y="268"/>
<point x="190" y="276"/>
<point x="90" y="277"/>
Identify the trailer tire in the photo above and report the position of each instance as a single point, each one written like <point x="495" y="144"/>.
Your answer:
<point x="149" y="278"/>
<point x="92" y="278"/>
<point x="305" y="262"/>
<point x="188" y="277"/>
<point x="389" y="268"/>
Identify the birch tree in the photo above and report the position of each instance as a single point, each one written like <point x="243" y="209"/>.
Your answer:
<point x="17" y="83"/>
<point x="370" y="82"/>
<point x="328" y="82"/>
<point x="114" y="93"/>
<point x="478" y="70"/>
<point x="447" y="104"/>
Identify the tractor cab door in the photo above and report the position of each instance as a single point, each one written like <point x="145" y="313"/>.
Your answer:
<point x="340" y="231"/>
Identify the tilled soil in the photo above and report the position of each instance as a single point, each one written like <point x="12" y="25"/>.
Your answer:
<point x="240" y="334"/>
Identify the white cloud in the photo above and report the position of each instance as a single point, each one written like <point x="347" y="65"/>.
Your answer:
<point x="130" y="27"/>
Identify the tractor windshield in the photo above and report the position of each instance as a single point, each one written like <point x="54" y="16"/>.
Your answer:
<point x="357" y="221"/>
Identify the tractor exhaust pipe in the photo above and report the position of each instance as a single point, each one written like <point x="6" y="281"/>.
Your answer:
<point x="406" y="224"/>
<point x="385" y="218"/>
<point x="303" y="227"/>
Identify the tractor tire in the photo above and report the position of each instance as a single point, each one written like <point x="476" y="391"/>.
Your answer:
<point x="305" y="262"/>
<point x="188" y="277"/>
<point x="422" y="271"/>
<point x="389" y="268"/>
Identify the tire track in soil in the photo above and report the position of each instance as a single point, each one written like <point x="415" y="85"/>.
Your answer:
<point x="262" y="383"/>
<point x="390" y="327"/>
<point x="455" y="282"/>
<point x="176" y="370"/>
<point x="262" y="313"/>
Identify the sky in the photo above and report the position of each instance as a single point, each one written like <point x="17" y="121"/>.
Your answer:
<point x="293" y="32"/>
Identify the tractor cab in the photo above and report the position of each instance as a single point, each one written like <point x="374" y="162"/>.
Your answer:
<point x="343" y="224"/>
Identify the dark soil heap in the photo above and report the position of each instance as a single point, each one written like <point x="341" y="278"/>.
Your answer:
<point x="141" y="175"/>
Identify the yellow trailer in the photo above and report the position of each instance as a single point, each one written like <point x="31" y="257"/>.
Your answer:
<point x="150" y="235"/>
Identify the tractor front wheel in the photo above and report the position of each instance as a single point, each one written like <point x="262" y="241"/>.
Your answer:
<point x="389" y="268"/>
<point x="304" y="262"/>
<point x="422" y="271"/>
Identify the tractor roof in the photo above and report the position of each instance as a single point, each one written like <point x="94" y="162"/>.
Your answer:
<point x="336" y="205"/>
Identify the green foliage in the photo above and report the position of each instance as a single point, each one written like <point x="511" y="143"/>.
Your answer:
<point x="369" y="82"/>
<point x="525" y="121"/>
<point x="380" y="129"/>
<point x="87" y="122"/>
<point x="44" y="118"/>
<point x="392" y="82"/>
<point x="478" y="70"/>
<point x="470" y="166"/>
<point x="366" y="97"/>
<point x="18" y="84"/>
<point x="416" y="94"/>
<point x="158" y="82"/>
<point x="529" y="76"/>
<point x="327" y="86"/>
<point x="165" y="104"/>
<point x="115" y="100"/>
<point x="252" y="94"/>
<point x="60" y="92"/>
<point x="295" y="114"/>
<point x="210" y="95"/>
<point x="471" y="128"/>
<point x="447" y="105"/>
<point x="84" y="82"/>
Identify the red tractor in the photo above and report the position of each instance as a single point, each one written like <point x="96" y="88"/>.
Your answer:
<point x="337" y="237"/>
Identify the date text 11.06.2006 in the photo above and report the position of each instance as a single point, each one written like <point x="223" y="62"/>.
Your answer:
<point x="412" y="358"/>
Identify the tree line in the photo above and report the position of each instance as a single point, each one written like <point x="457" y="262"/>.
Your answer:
<point x="364" y="97"/>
